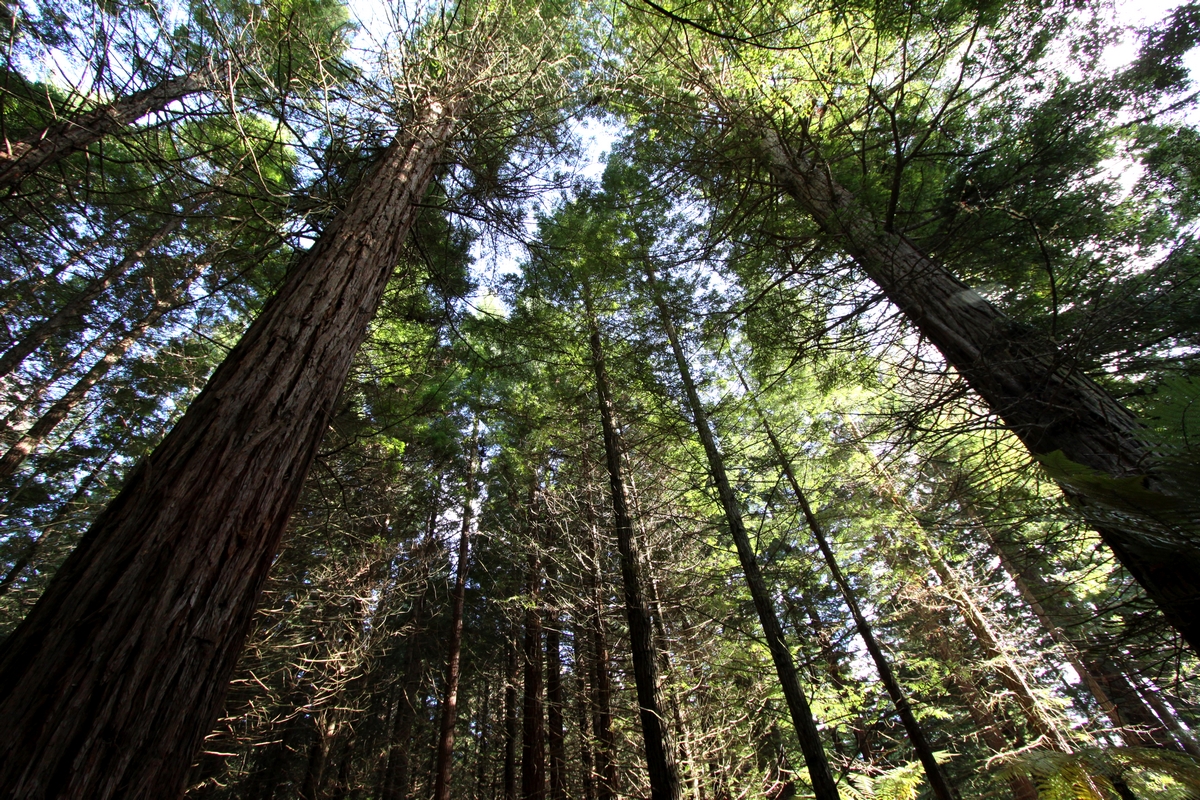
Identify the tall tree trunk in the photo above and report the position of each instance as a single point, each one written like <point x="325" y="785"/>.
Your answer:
<point x="606" y="767"/>
<point x="109" y="685"/>
<point x="916" y="734"/>
<point x="20" y="159"/>
<point x="449" y="716"/>
<point x="587" y="760"/>
<point x="63" y="406"/>
<point x="824" y="786"/>
<point x="483" y="739"/>
<point x="318" y="756"/>
<point x="1117" y="698"/>
<point x="510" y="716"/>
<point x="533" y="742"/>
<point x="1060" y="414"/>
<point x="400" y="744"/>
<point x="556" y="746"/>
<point x="660" y="751"/>
<point x="1168" y="716"/>
<point x="1011" y="674"/>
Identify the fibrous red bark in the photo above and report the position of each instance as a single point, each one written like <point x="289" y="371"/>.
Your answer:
<point x="110" y="684"/>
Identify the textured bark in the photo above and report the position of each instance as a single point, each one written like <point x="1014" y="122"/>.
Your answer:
<point x="72" y="312"/>
<point x="1032" y="385"/>
<point x="63" y="406"/>
<point x="111" y="682"/>
<point x="449" y="716"/>
<point x="25" y="157"/>
<point x="660" y="751"/>
<point x="916" y="734"/>
<point x="824" y="786"/>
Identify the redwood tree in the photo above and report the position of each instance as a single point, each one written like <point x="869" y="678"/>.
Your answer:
<point x="115" y="676"/>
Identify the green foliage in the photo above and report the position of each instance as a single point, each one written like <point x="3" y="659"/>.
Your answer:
<point x="1096" y="773"/>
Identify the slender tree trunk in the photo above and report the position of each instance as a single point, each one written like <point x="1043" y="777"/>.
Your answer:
<point x="449" y="716"/>
<point x="63" y="406"/>
<point x="1011" y="675"/>
<point x="20" y="159"/>
<point x="1167" y="715"/>
<point x="510" y="717"/>
<point x="556" y="746"/>
<point x="1120" y="702"/>
<point x="72" y="312"/>
<point x="1034" y="386"/>
<point x="109" y="685"/>
<point x="533" y="742"/>
<point x="400" y="744"/>
<point x="660" y="751"/>
<point x="483" y="739"/>
<point x="824" y="786"/>
<point x="51" y="529"/>
<point x="318" y="756"/>
<point x="587" y="760"/>
<point x="606" y="768"/>
<point x="916" y="734"/>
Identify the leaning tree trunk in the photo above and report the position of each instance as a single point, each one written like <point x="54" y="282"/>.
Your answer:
<point x="58" y="411"/>
<point x="1091" y="444"/>
<point x="1112" y="691"/>
<point x="25" y="157"/>
<point x="660" y="751"/>
<point x="916" y="734"/>
<point x="111" y="682"/>
<point x="71" y="314"/>
<point x="824" y="786"/>
<point x="445" y="747"/>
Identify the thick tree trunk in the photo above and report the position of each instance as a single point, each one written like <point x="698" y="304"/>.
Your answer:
<point x="1033" y="386"/>
<point x="916" y="734"/>
<point x="20" y="159"/>
<point x="824" y="786"/>
<point x="63" y="406"/>
<point x="449" y="716"/>
<point x="111" y="682"/>
<point x="660" y="751"/>
<point x="533" y="742"/>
